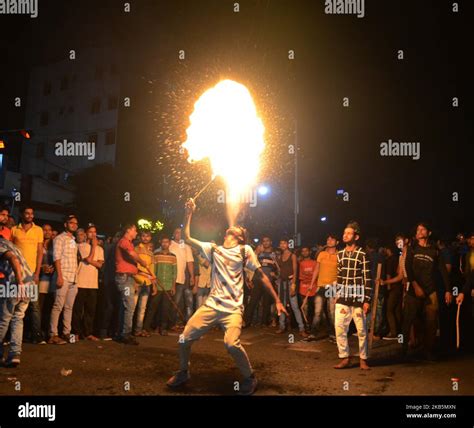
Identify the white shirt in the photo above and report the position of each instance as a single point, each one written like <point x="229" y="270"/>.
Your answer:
<point x="227" y="281"/>
<point x="183" y="255"/>
<point x="88" y="275"/>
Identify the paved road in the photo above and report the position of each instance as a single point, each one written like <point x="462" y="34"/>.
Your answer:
<point x="299" y="368"/>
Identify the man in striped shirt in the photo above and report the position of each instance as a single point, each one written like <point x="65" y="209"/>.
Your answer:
<point x="165" y="269"/>
<point x="352" y="296"/>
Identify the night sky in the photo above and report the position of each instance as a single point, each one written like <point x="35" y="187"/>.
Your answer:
<point x="335" y="57"/>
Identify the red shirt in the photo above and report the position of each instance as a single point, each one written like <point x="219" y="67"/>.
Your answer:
<point x="306" y="275"/>
<point x="6" y="233"/>
<point x="124" y="262"/>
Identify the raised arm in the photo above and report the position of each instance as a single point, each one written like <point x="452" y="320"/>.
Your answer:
<point x="190" y="206"/>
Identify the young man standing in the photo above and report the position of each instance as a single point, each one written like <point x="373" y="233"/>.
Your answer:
<point x="92" y="259"/>
<point x="126" y="260"/>
<point x="352" y="296"/>
<point x="286" y="283"/>
<point x="422" y="263"/>
<point x="65" y="263"/>
<point x="29" y="239"/>
<point x="268" y="260"/>
<point x="165" y="271"/>
<point x="325" y="279"/>
<point x="47" y="284"/>
<point x="143" y="281"/>
<point x="185" y="278"/>
<point x="306" y="269"/>
<point x="224" y="304"/>
<point x="14" y="270"/>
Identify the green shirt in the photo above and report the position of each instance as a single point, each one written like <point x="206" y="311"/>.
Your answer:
<point x="165" y="270"/>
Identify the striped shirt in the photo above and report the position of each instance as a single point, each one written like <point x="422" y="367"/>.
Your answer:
<point x="165" y="270"/>
<point x="65" y="249"/>
<point x="353" y="278"/>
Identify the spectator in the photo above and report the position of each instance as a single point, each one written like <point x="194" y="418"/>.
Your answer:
<point x="165" y="264"/>
<point x="306" y="270"/>
<point x="14" y="269"/>
<point x="108" y="294"/>
<point x="143" y="281"/>
<point x="126" y="260"/>
<point x="185" y="263"/>
<point x="29" y="239"/>
<point x="47" y="282"/>
<point x="421" y="299"/>
<point x="325" y="277"/>
<point x="65" y="263"/>
<point x="92" y="258"/>
<point x="286" y="284"/>
<point x="268" y="260"/>
<point x="395" y="277"/>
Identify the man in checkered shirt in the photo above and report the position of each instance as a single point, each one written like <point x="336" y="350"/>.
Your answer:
<point x="352" y="296"/>
<point x="65" y="263"/>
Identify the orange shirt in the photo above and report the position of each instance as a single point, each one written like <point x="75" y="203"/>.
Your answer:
<point x="27" y="241"/>
<point x="306" y="275"/>
<point x="6" y="233"/>
<point x="327" y="268"/>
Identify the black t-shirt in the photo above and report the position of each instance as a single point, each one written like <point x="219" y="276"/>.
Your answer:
<point x="422" y="264"/>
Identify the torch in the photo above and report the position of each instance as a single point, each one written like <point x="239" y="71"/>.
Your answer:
<point x="204" y="188"/>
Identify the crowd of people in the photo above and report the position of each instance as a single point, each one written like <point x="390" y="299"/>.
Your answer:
<point x="135" y="284"/>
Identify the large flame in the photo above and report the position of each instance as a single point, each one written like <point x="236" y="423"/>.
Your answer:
<point x="226" y="129"/>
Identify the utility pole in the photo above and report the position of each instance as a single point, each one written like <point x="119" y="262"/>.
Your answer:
<point x="297" y="237"/>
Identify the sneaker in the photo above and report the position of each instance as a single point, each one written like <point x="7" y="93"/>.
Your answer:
<point x="39" y="342"/>
<point x="13" y="361"/>
<point x="106" y="338"/>
<point x="178" y="379"/>
<point x="248" y="386"/>
<point x="164" y="332"/>
<point x="56" y="340"/>
<point x="280" y="331"/>
<point x="303" y="334"/>
<point x="129" y="340"/>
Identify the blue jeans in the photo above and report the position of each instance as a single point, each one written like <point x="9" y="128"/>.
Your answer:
<point x="12" y="313"/>
<point x="201" y="296"/>
<point x="183" y="292"/>
<point x="141" y="300"/>
<point x="284" y="295"/>
<point x="126" y="287"/>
